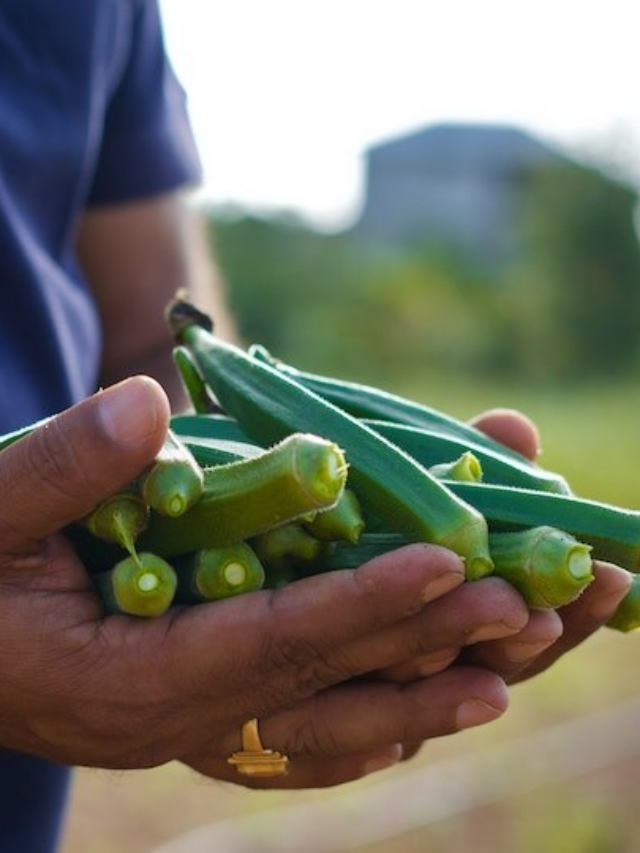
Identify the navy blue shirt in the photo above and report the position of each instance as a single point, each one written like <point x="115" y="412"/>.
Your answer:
<point x="90" y="114"/>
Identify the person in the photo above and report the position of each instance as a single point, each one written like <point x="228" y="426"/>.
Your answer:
<point x="347" y="673"/>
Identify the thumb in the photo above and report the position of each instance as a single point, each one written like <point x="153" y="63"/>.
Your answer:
<point x="60" y="471"/>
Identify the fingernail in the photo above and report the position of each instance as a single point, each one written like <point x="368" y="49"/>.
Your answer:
<point x="520" y="652"/>
<point x="440" y="585"/>
<point x="129" y="411"/>
<point x="475" y="712"/>
<point x="494" y="631"/>
<point x="383" y="761"/>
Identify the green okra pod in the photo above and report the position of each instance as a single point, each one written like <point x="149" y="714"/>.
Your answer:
<point x="344" y="521"/>
<point x="465" y="469"/>
<point x="286" y="546"/>
<point x="298" y="475"/>
<point x="174" y="482"/>
<point x="194" y="385"/>
<point x="215" y="573"/>
<point x="143" y="585"/>
<point x="627" y="615"/>
<point x="548" y="567"/>
<point x="119" y="519"/>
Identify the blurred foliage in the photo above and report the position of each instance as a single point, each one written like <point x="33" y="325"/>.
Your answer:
<point x="568" y="307"/>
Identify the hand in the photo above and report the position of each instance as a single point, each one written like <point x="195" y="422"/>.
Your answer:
<point x="80" y="687"/>
<point x="549" y="634"/>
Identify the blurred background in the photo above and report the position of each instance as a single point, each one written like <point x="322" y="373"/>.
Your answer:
<point x="439" y="199"/>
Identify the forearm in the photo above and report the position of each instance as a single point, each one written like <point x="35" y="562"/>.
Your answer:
<point x="135" y="257"/>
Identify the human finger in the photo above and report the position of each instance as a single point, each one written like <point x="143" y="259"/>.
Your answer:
<point x="511" y="655"/>
<point x="511" y="428"/>
<point x="63" y="469"/>
<point x="305" y="772"/>
<point x="291" y="638"/>
<point x="474" y="612"/>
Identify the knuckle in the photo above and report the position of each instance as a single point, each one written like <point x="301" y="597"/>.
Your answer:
<point x="322" y="673"/>
<point x="309" y="738"/>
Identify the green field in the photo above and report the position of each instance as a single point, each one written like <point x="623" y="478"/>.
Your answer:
<point x="520" y="785"/>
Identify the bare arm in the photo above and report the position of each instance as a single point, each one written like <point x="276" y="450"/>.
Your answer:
<point x="135" y="256"/>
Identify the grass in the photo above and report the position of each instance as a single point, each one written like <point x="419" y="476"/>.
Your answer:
<point x="590" y="436"/>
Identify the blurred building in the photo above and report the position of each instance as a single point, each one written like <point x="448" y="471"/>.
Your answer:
<point x="453" y="184"/>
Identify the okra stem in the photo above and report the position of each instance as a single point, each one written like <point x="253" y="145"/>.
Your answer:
<point x="140" y="586"/>
<point x="627" y="615"/>
<point x="548" y="567"/>
<point x="215" y="573"/>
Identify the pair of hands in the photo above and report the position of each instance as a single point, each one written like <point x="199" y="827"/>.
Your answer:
<point x="348" y="672"/>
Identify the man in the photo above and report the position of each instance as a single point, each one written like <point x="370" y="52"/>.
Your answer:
<point x="95" y="237"/>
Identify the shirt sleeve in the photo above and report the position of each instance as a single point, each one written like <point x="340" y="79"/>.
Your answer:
<point x="147" y="145"/>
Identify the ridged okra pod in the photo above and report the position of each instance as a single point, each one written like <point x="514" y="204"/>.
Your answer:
<point x="548" y="567"/>
<point x="270" y="405"/>
<point x="301" y="474"/>
<point x="143" y="585"/>
<point x="215" y="573"/>
<point x="194" y="385"/>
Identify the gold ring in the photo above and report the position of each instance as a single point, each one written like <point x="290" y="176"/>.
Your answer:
<point x="253" y="759"/>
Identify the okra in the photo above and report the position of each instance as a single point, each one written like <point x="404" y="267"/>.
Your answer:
<point x="627" y="615"/>
<point x="270" y="405"/>
<point x="369" y="403"/>
<point x="285" y="547"/>
<point x="465" y="469"/>
<point x="194" y="385"/>
<point x="143" y="585"/>
<point x="215" y="573"/>
<point x="613" y="532"/>
<point x="548" y="567"/>
<point x="119" y="519"/>
<point x="343" y="522"/>
<point x="301" y="474"/>
<point x="174" y="482"/>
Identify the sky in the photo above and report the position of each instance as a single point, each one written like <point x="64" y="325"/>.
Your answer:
<point x="286" y="96"/>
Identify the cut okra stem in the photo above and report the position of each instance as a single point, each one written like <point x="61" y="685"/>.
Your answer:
<point x="194" y="385"/>
<point x="343" y="522"/>
<point x="286" y="547"/>
<point x="144" y="585"/>
<point x="174" y="482"/>
<point x="465" y="469"/>
<point x="215" y="573"/>
<point x="548" y="567"/>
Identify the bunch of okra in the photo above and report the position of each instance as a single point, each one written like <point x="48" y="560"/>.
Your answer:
<point x="281" y="474"/>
